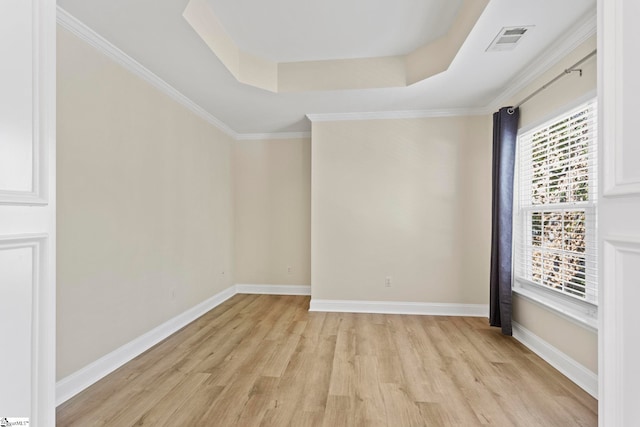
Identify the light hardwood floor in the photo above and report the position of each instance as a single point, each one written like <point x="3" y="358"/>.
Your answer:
<point x="265" y="360"/>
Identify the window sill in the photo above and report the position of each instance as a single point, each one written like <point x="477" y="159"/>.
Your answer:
<point x="582" y="313"/>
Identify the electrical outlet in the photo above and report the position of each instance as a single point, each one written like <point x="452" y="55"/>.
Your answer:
<point x="387" y="282"/>
<point x="289" y="270"/>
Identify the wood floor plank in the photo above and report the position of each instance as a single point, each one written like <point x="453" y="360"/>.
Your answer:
<point x="164" y="408"/>
<point x="191" y="411"/>
<point x="369" y="401"/>
<point x="338" y="412"/>
<point x="263" y="360"/>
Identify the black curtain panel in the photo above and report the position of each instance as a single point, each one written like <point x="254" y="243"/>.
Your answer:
<point x="505" y="130"/>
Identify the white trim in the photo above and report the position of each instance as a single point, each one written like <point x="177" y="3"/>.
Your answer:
<point x="385" y="307"/>
<point x="273" y="289"/>
<point x="23" y="197"/>
<point x="69" y="386"/>
<point x="44" y="302"/>
<point x="578" y="312"/>
<point x="410" y="114"/>
<point x="577" y="35"/>
<point x="274" y="135"/>
<point x="576" y="372"/>
<point x="620" y="189"/>
<point x="615" y="383"/>
<point x="78" y="28"/>
<point x="82" y="31"/>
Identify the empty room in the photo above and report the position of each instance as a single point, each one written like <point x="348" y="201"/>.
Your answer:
<point x="336" y="213"/>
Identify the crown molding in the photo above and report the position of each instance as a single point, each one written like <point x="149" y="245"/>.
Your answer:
<point x="79" y="29"/>
<point x="82" y="31"/>
<point x="409" y="114"/>
<point x="578" y="34"/>
<point x="274" y="135"/>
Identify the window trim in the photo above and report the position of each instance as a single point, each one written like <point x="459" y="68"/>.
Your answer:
<point x="581" y="312"/>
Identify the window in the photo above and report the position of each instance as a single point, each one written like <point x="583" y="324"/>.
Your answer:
<point x="556" y="207"/>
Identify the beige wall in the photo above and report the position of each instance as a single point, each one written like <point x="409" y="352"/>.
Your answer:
<point x="145" y="212"/>
<point x="147" y="219"/>
<point x="568" y="89"/>
<point x="272" y="211"/>
<point x="410" y="199"/>
<point x="576" y="341"/>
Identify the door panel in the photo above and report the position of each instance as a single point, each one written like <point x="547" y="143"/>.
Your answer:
<point x="618" y="222"/>
<point x="27" y="210"/>
<point x="16" y="263"/>
<point x="16" y="75"/>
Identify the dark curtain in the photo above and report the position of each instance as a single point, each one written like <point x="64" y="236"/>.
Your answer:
<point x="505" y="129"/>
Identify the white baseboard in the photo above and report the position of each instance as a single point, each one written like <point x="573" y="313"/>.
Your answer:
<point x="274" y="289"/>
<point x="576" y="372"/>
<point x="385" y="307"/>
<point x="69" y="386"/>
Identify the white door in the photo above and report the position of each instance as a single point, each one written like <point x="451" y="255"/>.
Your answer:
<point x="619" y="215"/>
<point x="27" y="210"/>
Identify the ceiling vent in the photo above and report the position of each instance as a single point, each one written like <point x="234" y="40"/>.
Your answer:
<point x="508" y="38"/>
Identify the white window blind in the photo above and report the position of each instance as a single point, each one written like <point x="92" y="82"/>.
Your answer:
<point x="556" y="206"/>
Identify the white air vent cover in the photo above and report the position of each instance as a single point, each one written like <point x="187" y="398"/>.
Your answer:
<point x="508" y="38"/>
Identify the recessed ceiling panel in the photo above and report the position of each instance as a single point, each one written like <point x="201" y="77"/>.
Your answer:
<point x="294" y="30"/>
<point x="399" y="70"/>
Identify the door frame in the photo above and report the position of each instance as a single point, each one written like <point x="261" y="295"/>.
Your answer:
<point x="44" y="306"/>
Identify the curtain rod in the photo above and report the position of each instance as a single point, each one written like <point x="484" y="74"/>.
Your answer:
<point x="569" y="70"/>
